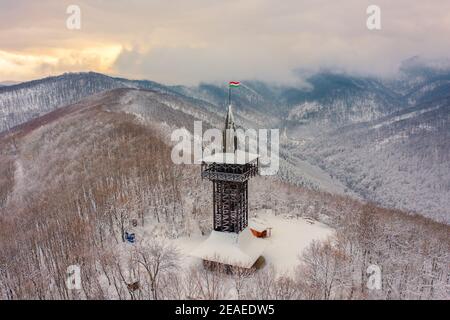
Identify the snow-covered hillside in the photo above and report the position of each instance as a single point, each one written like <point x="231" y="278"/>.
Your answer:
<point x="26" y="101"/>
<point x="339" y="131"/>
<point x="72" y="183"/>
<point x="400" y="161"/>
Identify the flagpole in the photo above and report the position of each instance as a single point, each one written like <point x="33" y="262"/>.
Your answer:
<point x="229" y="94"/>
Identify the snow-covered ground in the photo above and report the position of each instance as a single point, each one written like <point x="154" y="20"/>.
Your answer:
<point x="320" y="178"/>
<point x="404" y="116"/>
<point x="290" y="236"/>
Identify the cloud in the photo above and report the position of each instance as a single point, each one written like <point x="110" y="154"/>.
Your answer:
<point x="211" y="40"/>
<point x="24" y="65"/>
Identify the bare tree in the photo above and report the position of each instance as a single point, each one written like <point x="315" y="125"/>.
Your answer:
<point x="157" y="257"/>
<point x="240" y="278"/>
<point x="323" y="271"/>
<point x="208" y="283"/>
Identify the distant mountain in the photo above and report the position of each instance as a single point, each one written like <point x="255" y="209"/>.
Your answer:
<point x="384" y="140"/>
<point x="22" y="102"/>
<point x="336" y="100"/>
<point x="250" y="96"/>
<point x="330" y="101"/>
<point x="171" y="110"/>
<point x="420" y="81"/>
<point x="401" y="160"/>
<point x="8" y="83"/>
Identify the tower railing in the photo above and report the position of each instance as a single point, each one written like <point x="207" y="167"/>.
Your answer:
<point x="229" y="172"/>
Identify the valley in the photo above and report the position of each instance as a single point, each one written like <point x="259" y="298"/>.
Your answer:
<point x="324" y="117"/>
<point x="370" y="188"/>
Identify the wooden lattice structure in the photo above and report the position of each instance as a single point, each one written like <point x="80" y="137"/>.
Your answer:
<point x="230" y="193"/>
<point x="230" y="172"/>
<point x="231" y="243"/>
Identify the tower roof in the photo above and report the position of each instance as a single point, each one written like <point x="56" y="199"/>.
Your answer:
<point x="237" y="157"/>
<point x="230" y="153"/>
<point x="236" y="249"/>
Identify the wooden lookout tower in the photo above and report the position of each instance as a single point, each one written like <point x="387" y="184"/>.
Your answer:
<point x="231" y="241"/>
<point x="229" y="172"/>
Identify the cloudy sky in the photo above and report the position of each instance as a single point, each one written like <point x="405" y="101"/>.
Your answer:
<point x="188" y="41"/>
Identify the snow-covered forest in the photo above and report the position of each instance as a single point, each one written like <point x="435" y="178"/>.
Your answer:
<point x="382" y="140"/>
<point x="400" y="161"/>
<point x="71" y="183"/>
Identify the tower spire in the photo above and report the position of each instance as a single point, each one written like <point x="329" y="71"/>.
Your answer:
<point x="229" y="133"/>
<point x="229" y="120"/>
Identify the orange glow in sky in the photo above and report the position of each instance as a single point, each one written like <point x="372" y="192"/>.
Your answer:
<point x="184" y="42"/>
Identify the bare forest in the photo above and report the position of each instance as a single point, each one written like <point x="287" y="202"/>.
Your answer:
<point x="71" y="206"/>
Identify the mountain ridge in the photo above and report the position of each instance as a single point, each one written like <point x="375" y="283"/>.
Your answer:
<point x="329" y="120"/>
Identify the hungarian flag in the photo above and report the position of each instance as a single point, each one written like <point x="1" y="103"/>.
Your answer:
<point x="234" y="84"/>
